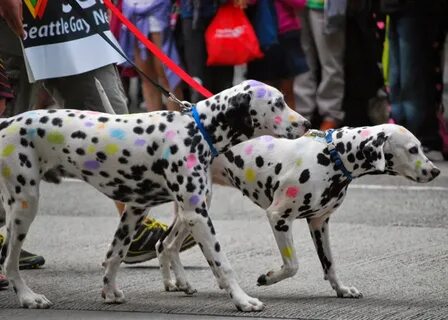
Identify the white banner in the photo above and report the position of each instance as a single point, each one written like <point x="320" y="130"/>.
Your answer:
<point x="59" y="42"/>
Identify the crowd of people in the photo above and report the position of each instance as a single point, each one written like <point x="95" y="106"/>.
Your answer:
<point x="338" y="62"/>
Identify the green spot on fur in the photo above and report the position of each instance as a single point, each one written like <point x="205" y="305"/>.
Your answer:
<point x="111" y="148"/>
<point x="6" y="172"/>
<point x="55" y="137"/>
<point x="8" y="150"/>
<point x="418" y="164"/>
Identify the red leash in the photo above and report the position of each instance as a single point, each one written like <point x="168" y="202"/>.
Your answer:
<point x="157" y="52"/>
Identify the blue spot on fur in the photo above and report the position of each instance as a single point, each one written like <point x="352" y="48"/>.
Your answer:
<point x="117" y="134"/>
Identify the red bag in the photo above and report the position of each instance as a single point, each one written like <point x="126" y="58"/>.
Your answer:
<point x="230" y="38"/>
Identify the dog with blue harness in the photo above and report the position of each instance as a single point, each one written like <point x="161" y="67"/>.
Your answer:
<point x="307" y="178"/>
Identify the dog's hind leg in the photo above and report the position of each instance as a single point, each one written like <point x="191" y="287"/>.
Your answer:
<point x="282" y="229"/>
<point x="203" y="233"/>
<point x="168" y="254"/>
<point x="319" y="229"/>
<point x="129" y="221"/>
<point x="22" y="210"/>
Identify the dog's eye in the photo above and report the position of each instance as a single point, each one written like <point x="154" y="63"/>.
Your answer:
<point x="413" y="150"/>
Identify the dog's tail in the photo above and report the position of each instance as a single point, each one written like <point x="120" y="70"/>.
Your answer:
<point x="104" y="99"/>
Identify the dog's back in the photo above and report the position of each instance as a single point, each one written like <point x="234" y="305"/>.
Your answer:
<point x="281" y="172"/>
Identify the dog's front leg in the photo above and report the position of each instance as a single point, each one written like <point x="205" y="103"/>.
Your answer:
<point x="201" y="227"/>
<point x="22" y="213"/>
<point x="319" y="229"/>
<point x="129" y="221"/>
<point x="281" y="227"/>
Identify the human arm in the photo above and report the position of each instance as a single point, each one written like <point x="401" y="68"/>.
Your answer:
<point x="11" y="11"/>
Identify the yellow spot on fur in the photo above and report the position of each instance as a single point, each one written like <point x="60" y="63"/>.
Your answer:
<point x="101" y="126"/>
<point x="287" y="252"/>
<point x="8" y="150"/>
<point x="418" y="164"/>
<point x="111" y="148"/>
<point x="292" y="118"/>
<point x="13" y="128"/>
<point x="250" y="175"/>
<point x="55" y="137"/>
<point x="298" y="162"/>
<point x="402" y="129"/>
<point x="24" y="205"/>
<point x="6" y="171"/>
<point x="91" y="149"/>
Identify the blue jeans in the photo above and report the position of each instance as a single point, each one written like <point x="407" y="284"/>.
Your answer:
<point x="411" y="75"/>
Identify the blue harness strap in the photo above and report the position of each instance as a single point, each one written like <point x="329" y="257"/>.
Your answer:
<point x="334" y="155"/>
<point x="204" y="132"/>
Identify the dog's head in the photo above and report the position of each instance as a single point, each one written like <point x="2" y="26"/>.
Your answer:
<point x="395" y="150"/>
<point x="252" y="109"/>
<point x="263" y="109"/>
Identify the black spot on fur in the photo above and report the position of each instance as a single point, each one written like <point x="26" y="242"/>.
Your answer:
<point x="304" y="176"/>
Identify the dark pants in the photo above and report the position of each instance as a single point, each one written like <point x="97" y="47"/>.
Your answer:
<point x="413" y="61"/>
<point x="216" y="78"/>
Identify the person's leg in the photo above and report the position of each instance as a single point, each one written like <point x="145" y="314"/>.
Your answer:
<point x="397" y="112"/>
<point x="163" y="80"/>
<point x="151" y="94"/>
<point x="330" y="50"/>
<point x="305" y="85"/>
<point x="195" y="53"/>
<point x="11" y="53"/>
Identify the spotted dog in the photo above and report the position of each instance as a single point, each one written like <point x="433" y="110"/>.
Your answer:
<point x="307" y="178"/>
<point x="138" y="159"/>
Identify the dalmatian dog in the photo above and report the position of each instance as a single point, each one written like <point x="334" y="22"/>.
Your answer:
<point x="141" y="160"/>
<point x="307" y="178"/>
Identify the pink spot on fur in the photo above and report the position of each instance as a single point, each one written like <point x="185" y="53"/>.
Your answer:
<point x="365" y="133"/>
<point x="292" y="192"/>
<point x="92" y="112"/>
<point x="278" y="120"/>
<point x="170" y="134"/>
<point x="191" y="161"/>
<point x="248" y="150"/>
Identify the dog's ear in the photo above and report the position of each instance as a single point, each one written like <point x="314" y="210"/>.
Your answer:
<point x="238" y="114"/>
<point x="373" y="152"/>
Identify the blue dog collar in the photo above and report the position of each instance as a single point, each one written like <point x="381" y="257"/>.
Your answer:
<point x="334" y="155"/>
<point x="204" y="132"/>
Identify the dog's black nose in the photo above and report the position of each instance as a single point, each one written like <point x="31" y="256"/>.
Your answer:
<point x="307" y="125"/>
<point x="435" y="172"/>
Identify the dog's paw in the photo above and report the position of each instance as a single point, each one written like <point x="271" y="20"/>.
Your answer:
<point x="171" y="286"/>
<point x="113" y="296"/>
<point x="248" y="304"/>
<point x="186" y="287"/>
<point x="265" y="279"/>
<point x="32" y="300"/>
<point x="348" y="292"/>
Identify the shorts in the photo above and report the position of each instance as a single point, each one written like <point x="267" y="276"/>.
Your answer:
<point x="284" y="60"/>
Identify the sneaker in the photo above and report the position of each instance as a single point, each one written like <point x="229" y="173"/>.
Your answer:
<point x="143" y="246"/>
<point x="328" y="124"/>
<point x="27" y="260"/>
<point x="4" y="283"/>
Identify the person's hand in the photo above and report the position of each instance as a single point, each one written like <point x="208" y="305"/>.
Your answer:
<point x="11" y="11"/>
<point x="240" y="3"/>
<point x="2" y="106"/>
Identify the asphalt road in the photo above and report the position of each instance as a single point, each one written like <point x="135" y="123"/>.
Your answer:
<point x="389" y="239"/>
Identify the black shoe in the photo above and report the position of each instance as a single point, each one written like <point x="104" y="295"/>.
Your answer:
<point x="27" y="260"/>
<point x="30" y="260"/>
<point x="143" y="246"/>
